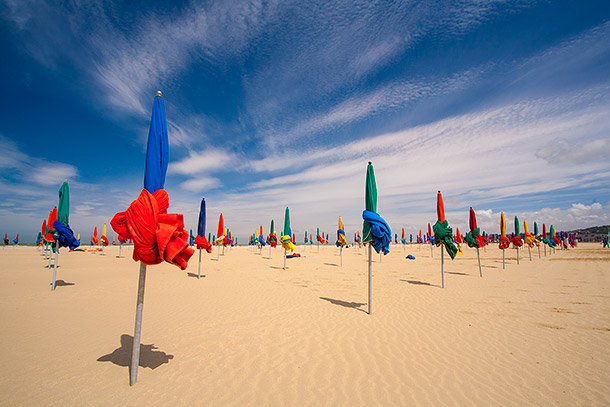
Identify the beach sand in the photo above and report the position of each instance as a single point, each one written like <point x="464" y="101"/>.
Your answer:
<point x="251" y="334"/>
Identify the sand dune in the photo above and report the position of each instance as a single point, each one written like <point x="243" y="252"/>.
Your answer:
<point x="250" y="333"/>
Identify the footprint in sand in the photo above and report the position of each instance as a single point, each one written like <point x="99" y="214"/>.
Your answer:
<point x="550" y="326"/>
<point x="562" y="310"/>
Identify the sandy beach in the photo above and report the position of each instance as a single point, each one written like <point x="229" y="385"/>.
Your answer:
<point x="250" y="333"/>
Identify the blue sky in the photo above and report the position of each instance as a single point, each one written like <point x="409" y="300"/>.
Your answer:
<point x="501" y="105"/>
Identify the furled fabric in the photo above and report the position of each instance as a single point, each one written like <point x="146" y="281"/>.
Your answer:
<point x="517" y="241"/>
<point x="287" y="243"/>
<point x="410" y="257"/>
<point x="104" y="240"/>
<point x="443" y="236"/>
<point x="202" y="243"/>
<point x="272" y="240"/>
<point x="341" y="238"/>
<point x="48" y="234"/>
<point x="157" y="235"/>
<point x="474" y="238"/>
<point x="292" y="256"/>
<point x="261" y="241"/>
<point x="65" y="236"/>
<point x="504" y="243"/>
<point x="379" y="232"/>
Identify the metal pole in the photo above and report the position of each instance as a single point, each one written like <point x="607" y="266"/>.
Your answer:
<point x="50" y="251"/>
<point x="503" y="258"/>
<point x="284" y="258"/>
<point x="55" y="269"/>
<point x="341" y="254"/>
<point x="529" y="249"/>
<point x="517" y="254"/>
<point x="370" y="274"/>
<point x="270" y="251"/>
<point x="135" y="354"/>
<point x="479" y="258"/>
<point x="545" y="251"/>
<point x="443" y="266"/>
<point x="431" y="252"/>
<point x="539" y="252"/>
<point x="120" y="250"/>
<point x="199" y="269"/>
<point x="218" y="253"/>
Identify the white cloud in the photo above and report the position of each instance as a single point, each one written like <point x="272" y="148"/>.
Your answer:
<point x="213" y="160"/>
<point x="53" y="173"/>
<point x="559" y="151"/>
<point x="200" y="184"/>
<point x="26" y="168"/>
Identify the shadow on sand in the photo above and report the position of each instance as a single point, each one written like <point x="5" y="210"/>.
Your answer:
<point x="353" y="305"/>
<point x="417" y="282"/>
<point x="61" y="283"/>
<point x="148" y="357"/>
<point x="194" y="275"/>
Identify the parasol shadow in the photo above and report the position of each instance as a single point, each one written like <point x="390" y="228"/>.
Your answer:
<point x="148" y="356"/>
<point x="353" y="305"/>
<point x="62" y="283"/>
<point x="417" y="282"/>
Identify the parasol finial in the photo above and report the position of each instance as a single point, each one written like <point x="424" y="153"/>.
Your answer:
<point x="159" y="93"/>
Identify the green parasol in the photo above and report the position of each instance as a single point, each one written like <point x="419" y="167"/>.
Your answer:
<point x="370" y="201"/>
<point x="63" y="209"/>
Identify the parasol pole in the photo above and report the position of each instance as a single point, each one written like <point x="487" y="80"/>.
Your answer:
<point x="269" y="250"/>
<point x="539" y="252"/>
<point x="284" y="258"/>
<point x="544" y="252"/>
<point x="135" y="353"/>
<point x="479" y="258"/>
<point x="50" y="245"/>
<point x="529" y="249"/>
<point x="503" y="259"/>
<point x="380" y="256"/>
<point x="370" y="274"/>
<point x="341" y="255"/>
<point x="431" y="253"/>
<point x="517" y="254"/>
<point x="55" y="268"/>
<point x="199" y="269"/>
<point x="218" y="253"/>
<point x="443" y="266"/>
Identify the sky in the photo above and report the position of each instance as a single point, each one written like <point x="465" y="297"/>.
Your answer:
<point x="500" y="105"/>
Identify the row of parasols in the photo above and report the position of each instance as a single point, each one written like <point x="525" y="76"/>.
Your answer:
<point x="159" y="236"/>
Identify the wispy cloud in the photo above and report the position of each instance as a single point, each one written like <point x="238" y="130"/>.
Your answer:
<point x="200" y="184"/>
<point x="23" y="168"/>
<point x="201" y="161"/>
